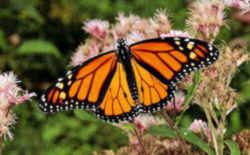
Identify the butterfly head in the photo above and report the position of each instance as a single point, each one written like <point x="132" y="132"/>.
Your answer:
<point x="121" y="42"/>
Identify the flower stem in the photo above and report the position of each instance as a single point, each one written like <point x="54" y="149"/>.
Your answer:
<point x="138" y="135"/>
<point x="213" y="132"/>
<point x="1" y="147"/>
<point x="189" y="96"/>
<point x="221" y="127"/>
<point x="170" y="123"/>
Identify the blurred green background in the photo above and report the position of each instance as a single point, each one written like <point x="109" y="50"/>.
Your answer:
<point x="37" y="38"/>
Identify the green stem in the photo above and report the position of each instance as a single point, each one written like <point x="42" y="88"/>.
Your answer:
<point x="222" y="124"/>
<point x="1" y="147"/>
<point x="171" y="124"/>
<point x="139" y="137"/>
<point x="213" y="132"/>
<point x="214" y="116"/>
<point x="189" y="96"/>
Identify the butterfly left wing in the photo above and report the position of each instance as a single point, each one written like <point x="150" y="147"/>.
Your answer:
<point x="82" y="88"/>
<point x="99" y="84"/>
<point x="118" y="104"/>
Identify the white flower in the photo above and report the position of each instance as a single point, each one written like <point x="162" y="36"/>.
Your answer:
<point x="175" y="33"/>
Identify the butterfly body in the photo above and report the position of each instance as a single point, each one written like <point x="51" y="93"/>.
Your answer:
<point x="123" y="55"/>
<point x="120" y="84"/>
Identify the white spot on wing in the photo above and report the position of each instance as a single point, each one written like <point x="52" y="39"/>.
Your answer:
<point x="69" y="72"/>
<point x="43" y="98"/>
<point x="176" y="38"/>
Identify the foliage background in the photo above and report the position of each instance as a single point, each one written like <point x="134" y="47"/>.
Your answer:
<point x="37" y="38"/>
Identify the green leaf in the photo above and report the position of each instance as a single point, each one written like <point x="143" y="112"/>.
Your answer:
<point x="50" y="133"/>
<point x="38" y="47"/>
<point x="195" y="140"/>
<point x="87" y="133"/>
<point x="86" y="116"/>
<point x="127" y="126"/>
<point x="162" y="130"/>
<point x="21" y="5"/>
<point x="189" y="96"/>
<point x="192" y="88"/>
<point x="34" y="14"/>
<point x="234" y="148"/>
<point x="6" y="13"/>
<point x="3" y="42"/>
<point x="189" y="136"/>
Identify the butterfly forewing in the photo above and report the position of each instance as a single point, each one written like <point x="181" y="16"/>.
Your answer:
<point x="84" y="87"/>
<point x="171" y="59"/>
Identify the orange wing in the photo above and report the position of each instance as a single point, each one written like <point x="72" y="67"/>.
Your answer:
<point x="153" y="94"/>
<point x="118" y="103"/>
<point x="84" y="87"/>
<point x="171" y="59"/>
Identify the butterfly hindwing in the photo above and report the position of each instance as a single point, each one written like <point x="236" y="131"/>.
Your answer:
<point x="118" y="103"/>
<point x="153" y="94"/>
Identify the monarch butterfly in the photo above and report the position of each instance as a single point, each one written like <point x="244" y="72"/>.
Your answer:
<point x="139" y="78"/>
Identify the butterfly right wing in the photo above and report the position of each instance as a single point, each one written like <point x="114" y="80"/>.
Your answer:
<point x="172" y="59"/>
<point x="162" y="62"/>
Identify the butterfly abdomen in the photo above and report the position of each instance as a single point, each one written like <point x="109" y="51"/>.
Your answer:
<point x="132" y="83"/>
<point x="124" y="56"/>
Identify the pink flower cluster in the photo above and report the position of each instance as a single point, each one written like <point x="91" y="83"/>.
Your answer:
<point x="175" y="33"/>
<point x="133" y="28"/>
<point x="10" y="95"/>
<point x="176" y="104"/>
<point x="199" y="126"/>
<point x="97" y="28"/>
<point x="144" y="122"/>
<point x="243" y="5"/>
<point x="206" y="18"/>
